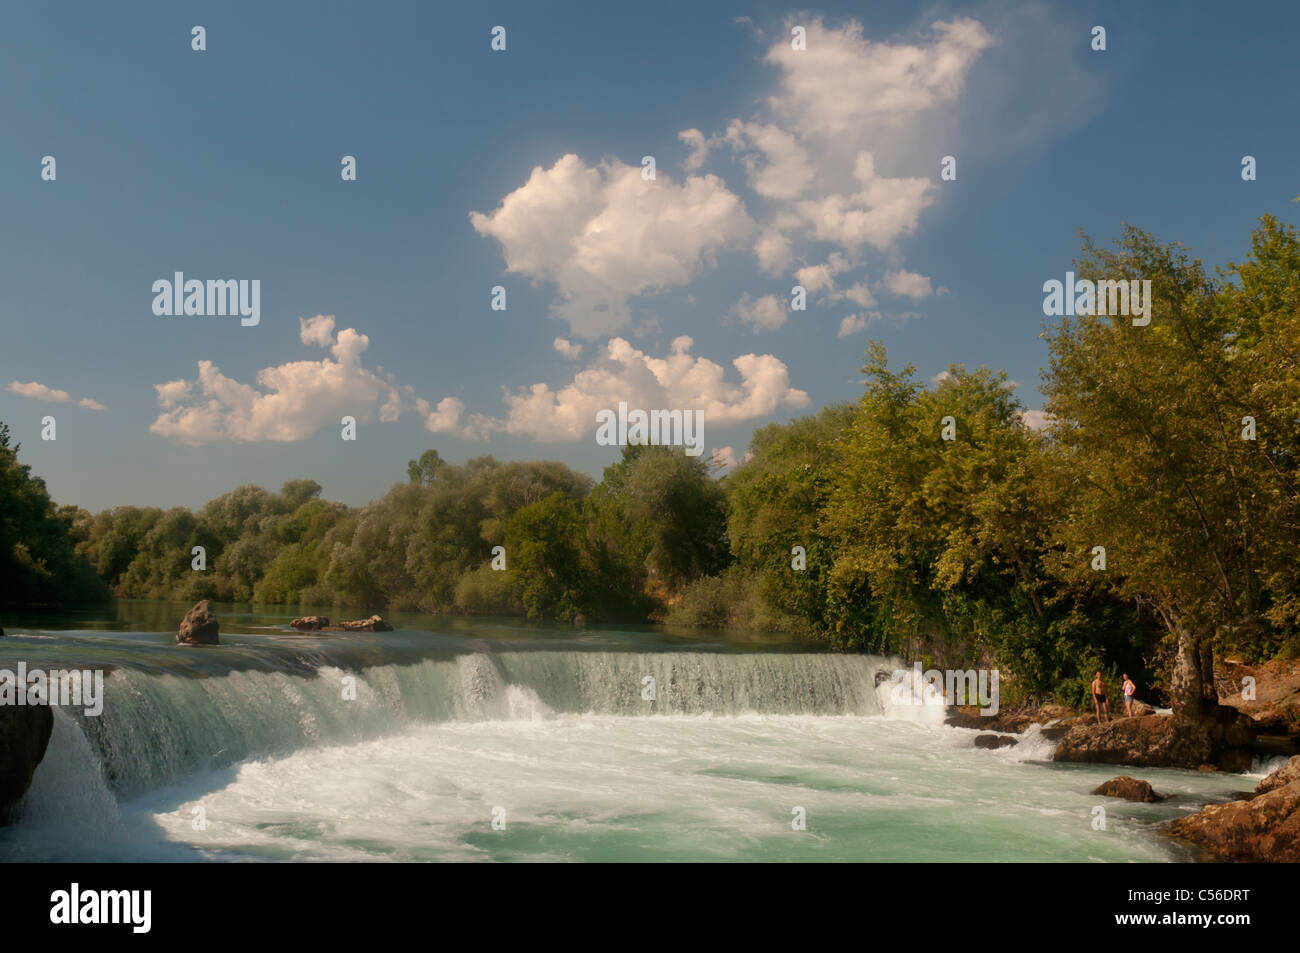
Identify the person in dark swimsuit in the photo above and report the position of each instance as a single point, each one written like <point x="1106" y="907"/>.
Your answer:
<point x="1099" y="697"/>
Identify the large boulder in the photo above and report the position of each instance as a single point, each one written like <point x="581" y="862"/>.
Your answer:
<point x="1264" y="828"/>
<point x="199" y="626"/>
<point x="1222" y="740"/>
<point x="1130" y="789"/>
<point x="24" y="735"/>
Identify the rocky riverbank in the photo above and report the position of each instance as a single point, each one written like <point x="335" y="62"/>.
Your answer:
<point x="1258" y="716"/>
<point x="1264" y="828"/>
<point x="1224" y="742"/>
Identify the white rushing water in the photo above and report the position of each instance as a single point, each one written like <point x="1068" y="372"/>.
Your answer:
<point x="561" y="755"/>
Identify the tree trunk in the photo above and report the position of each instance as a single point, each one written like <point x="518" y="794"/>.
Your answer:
<point x="1201" y="731"/>
<point x="1187" y="686"/>
<point x="1209" y="693"/>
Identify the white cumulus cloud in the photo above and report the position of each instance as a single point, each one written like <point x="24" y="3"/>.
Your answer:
<point x="832" y="151"/>
<point x="290" y="401"/>
<point x="844" y="83"/>
<point x="853" y="323"/>
<point x="602" y="234"/>
<point x="1035" y="419"/>
<point x="622" y="372"/>
<point x="724" y="457"/>
<point x="907" y="284"/>
<point x="761" y="314"/>
<point x="878" y="212"/>
<point x="38" y="391"/>
<point x="568" y="349"/>
<point x="816" y="278"/>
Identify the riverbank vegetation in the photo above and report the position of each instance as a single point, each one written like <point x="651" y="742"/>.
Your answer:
<point x="1148" y="519"/>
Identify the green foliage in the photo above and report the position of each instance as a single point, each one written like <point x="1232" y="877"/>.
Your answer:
<point x="39" y="562"/>
<point x="1148" y="449"/>
<point x="776" y="499"/>
<point x="738" y="598"/>
<point x="424" y="470"/>
<point x="487" y="591"/>
<point x="659" y="512"/>
<point x="971" y="551"/>
<point x="545" y="558"/>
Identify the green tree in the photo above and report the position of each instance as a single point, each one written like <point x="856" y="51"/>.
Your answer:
<point x="776" y="501"/>
<point x="659" y="511"/>
<point x="39" y="564"/>
<point x="424" y="470"/>
<point x="544" y="557"/>
<point x="1197" y="522"/>
<point x="921" y="522"/>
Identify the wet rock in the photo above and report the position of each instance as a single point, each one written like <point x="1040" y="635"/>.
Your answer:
<point x="1221" y="740"/>
<point x="1278" y="720"/>
<point x="310" y="623"/>
<point x="1008" y="720"/>
<point x="1289" y="773"/>
<point x="991" y="741"/>
<point x="199" y="626"/>
<point x="1265" y="828"/>
<point x="1130" y="789"/>
<point x="373" y="624"/>
<point x="1277" y="746"/>
<point x="24" y="736"/>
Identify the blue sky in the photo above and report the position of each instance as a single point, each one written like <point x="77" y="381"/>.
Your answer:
<point x="226" y="164"/>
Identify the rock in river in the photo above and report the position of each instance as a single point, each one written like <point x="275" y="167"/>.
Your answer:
<point x="995" y="741"/>
<point x="1130" y="789"/>
<point x="310" y="623"/>
<point x="24" y="735"/>
<point x="199" y="626"/>
<point x="1287" y="774"/>
<point x="373" y="624"/>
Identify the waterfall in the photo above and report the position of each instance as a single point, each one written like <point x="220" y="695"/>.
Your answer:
<point x="158" y="727"/>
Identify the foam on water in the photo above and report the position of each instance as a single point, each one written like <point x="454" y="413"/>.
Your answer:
<point x="590" y="755"/>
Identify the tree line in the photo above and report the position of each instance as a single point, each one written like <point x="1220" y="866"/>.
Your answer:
<point x="1152" y="520"/>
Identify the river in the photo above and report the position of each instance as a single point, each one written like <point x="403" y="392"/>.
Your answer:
<point x="498" y="740"/>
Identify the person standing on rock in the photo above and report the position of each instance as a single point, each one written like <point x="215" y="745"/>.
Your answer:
<point x="1129" y="690"/>
<point x="1099" y="697"/>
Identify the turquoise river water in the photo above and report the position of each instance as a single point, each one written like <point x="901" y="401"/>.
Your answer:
<point x="472" y="740"/>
